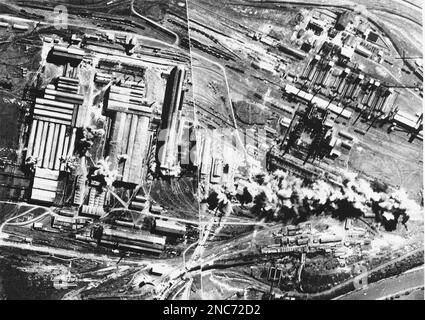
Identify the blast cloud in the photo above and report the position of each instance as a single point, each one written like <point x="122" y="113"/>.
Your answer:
<point x="282" y="196"/>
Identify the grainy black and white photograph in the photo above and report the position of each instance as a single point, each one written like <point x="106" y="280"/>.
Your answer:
<point x="211" y="150"/>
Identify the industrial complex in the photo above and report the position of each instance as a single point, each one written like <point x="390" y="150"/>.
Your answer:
<point x="199" y="149"/>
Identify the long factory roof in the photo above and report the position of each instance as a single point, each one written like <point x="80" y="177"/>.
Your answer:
<point x="134" y="236"/>
<point x="321" y="103"/>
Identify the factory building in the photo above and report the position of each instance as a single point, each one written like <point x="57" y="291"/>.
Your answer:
<point x="170" y="121"/>
<point x="72" y="54"/>
<point x="129" y="99"/>
<point x="356" y="89"/>
<point x="303" y="241"/>
<point x="129" y="117"/>
<point x="79" y="190"/>
<point x="169" y="228"/>
<point x="205" y="156"/>
<point x="68" y="223"/>
<point x="285" y="122"/>
<point x="406" y="120"/>
<point x="217" y="171"/>
<point x="275" y="250"/>
<point x="311" y="70"/>
<point x="128" y="137"/>
<point x="346" y="135"/>
<point x="138" y="203"/>
<point x="52" y="135"/>
<point x="325" y="76"/>
<point x="103" y="78"/>
<point x="343" y="20"/>
<point x="292" y="52"/>
<point x="274" y="274"/>
<point x="187" y="154"/>
<point x="316" y="25"/>
<point x="372" y="37"/>
<point x="69" y="85"/>
<point x="381" y="101"/>
<point x="330" y="239"/>
<point x="354" y="86"/>
<point x="343" y="80"/>
<point x="287" y="109"/>
<point x="321" y="103"/>
<point x="135" y="241"/>
<point x="93" y="206"/>
<point x="45" y="185"/>
<point x="20" y="27"/>
<point x="347" y="52"/>
<point x="268" y="41"/>
<point x="363" y="51"/>
<point x="91" y="211"/>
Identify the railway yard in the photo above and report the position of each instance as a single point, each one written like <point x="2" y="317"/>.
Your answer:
<point x="195" y="149"/>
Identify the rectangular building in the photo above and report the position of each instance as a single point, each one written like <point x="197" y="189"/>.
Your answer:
<point x="52" y="136"/>
<point x="170" y="227"/>
<point x="167" y="154"/>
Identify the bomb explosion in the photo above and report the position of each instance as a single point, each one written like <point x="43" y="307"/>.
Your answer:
<point x="258" y="150"/>
<point x="285" y="197"/>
